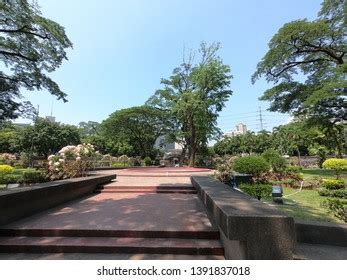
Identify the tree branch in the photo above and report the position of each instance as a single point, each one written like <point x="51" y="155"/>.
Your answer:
<point x="6" y="53"/>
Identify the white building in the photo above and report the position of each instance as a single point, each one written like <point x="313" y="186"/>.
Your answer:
<point x="240" y="129"/>
<point x="161" y="144"/>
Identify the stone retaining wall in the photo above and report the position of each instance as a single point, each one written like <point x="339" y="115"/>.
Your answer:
<point x="22" y="202"/>
<point x="249" y="227"/>
<point x="321" y="233"/>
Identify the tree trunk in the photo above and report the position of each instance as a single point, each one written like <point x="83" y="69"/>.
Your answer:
<point x="192" y="156"/>
<point x="299" y="157"/>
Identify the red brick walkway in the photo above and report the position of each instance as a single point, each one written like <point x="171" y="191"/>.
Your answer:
<point x="129" y="216"/>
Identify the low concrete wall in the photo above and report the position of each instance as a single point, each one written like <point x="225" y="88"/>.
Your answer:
<point x="321" y="233"/>
<point x="22" y="202"/>
<point x="262" y="231"/>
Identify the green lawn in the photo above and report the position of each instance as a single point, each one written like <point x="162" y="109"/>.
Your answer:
<point x="305" y="205"/>
<point x="324" y="173"/>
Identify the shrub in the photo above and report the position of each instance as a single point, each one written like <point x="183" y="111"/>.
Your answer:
<point x="147" y="161"/>
<point x="277" y="162"/>
<point x="224" y="166"/>
<point x="331" y="184"/>
<point x="337" y="207"/>
<point x="342" y="193"/>
<point x="118" y="164"/>
<point x="11" y="179"/>
<point x="33" y="176"/>
<point x="254" y="165"/>
<point x="7" y="158"/>
<point x="293" y="169"/>
<point x="5" y="169"/>
<point x="313" y="183"/>
<point x="336" y="164"/>
<point x="257" y="190"/>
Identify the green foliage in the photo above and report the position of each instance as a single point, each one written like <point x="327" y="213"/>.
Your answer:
<point x="336" y="164"/>
<point x="147" y="161"/>
<point x="192" y="97"/>
<point x="313" y="51"/>
<point x="331" y="184"/>
<point x="258" y="191"/>
<point x="293" y="169"/>
<point x="45" y="137"/>
<point x="254" y="165"/>
<point x="11" y="179"/>
<point x="337" y="207"/>
<point x="133" y="131"/>
<point x="277" y="162"/>
<point x="119" y="164"/>
<point x="338" y="193"/>
<point x="31" y="47"/>
<point x="224" y="166"/>
<point x="5" y="169"/>
<point x="33" y="176"/>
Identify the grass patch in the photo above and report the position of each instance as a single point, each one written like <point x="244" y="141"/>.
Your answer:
<point x="304" y="205"/>
<point x="324" y="173"/>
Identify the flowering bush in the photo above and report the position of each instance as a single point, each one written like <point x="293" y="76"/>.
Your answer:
<point x="7" y="158"/>
<point x="72" y="161"/>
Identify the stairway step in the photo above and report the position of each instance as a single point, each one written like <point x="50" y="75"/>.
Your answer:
<point x="55" y="232"/>
<point x="110" y="245"/>
<point x="145" y="191"/>
<point x="167" y="187"/>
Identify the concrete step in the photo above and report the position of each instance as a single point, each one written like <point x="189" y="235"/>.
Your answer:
<point x="145" y="190"/>
<point x="101" y="256"/>
<point x="55" y="232"/>
<point x="161" y="187"/>
<point x="114" y="245"/>
<point x="182" y="189"/>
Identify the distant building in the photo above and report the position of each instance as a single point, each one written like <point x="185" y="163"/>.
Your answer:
<point x="240" y="129"/>
<point x="172" y="151"/>
<point x="50" y="118"/>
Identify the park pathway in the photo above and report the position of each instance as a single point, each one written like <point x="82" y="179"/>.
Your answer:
<point x="143" y="214"/>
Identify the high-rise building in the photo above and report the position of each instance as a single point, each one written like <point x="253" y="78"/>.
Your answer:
<point x="239" y="130"/>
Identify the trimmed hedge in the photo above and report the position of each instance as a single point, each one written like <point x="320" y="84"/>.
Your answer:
<point x="336" y="164"/>
<point x="258" y="191"/>
<point x="254" y="165"/>
<point x="337" y="207"/>
<point x="332" y="184"/>
<point x="342" y="193"/>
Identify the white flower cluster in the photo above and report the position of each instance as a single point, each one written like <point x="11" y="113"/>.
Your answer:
<point x="82" y="152"/>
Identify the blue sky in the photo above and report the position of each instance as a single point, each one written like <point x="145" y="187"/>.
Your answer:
<point x="123" y="48"/>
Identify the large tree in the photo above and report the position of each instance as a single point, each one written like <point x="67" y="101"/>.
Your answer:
<point x="31" y="46"/>
<point x="133" y="131"/>
<point x="46" y="137"/>
<point x="306" y="63"/>
<point x="193" y="96"/>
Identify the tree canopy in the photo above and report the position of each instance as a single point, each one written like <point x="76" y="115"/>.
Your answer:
<point x="193" y="96"/>
<point x="31" y="46"/>
<point x="133" y="131"/>
<point x="306" y="62"/>
<point x="46" y="137"/>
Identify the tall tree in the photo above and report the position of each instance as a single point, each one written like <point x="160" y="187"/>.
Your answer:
<point x="306" y="62"/>
<point x="30" y="47"/>
<point x="134" y="130"/>
<point x="193" y="96"/>
<point x="46" y="137"/>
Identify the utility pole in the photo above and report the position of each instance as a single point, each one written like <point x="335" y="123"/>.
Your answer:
<point x="261" y="119"/>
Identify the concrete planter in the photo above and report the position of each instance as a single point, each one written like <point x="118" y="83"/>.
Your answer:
<point x="21" y="202"/>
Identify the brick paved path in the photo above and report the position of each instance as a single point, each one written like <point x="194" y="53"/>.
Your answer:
<point x="133" y="217"/>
